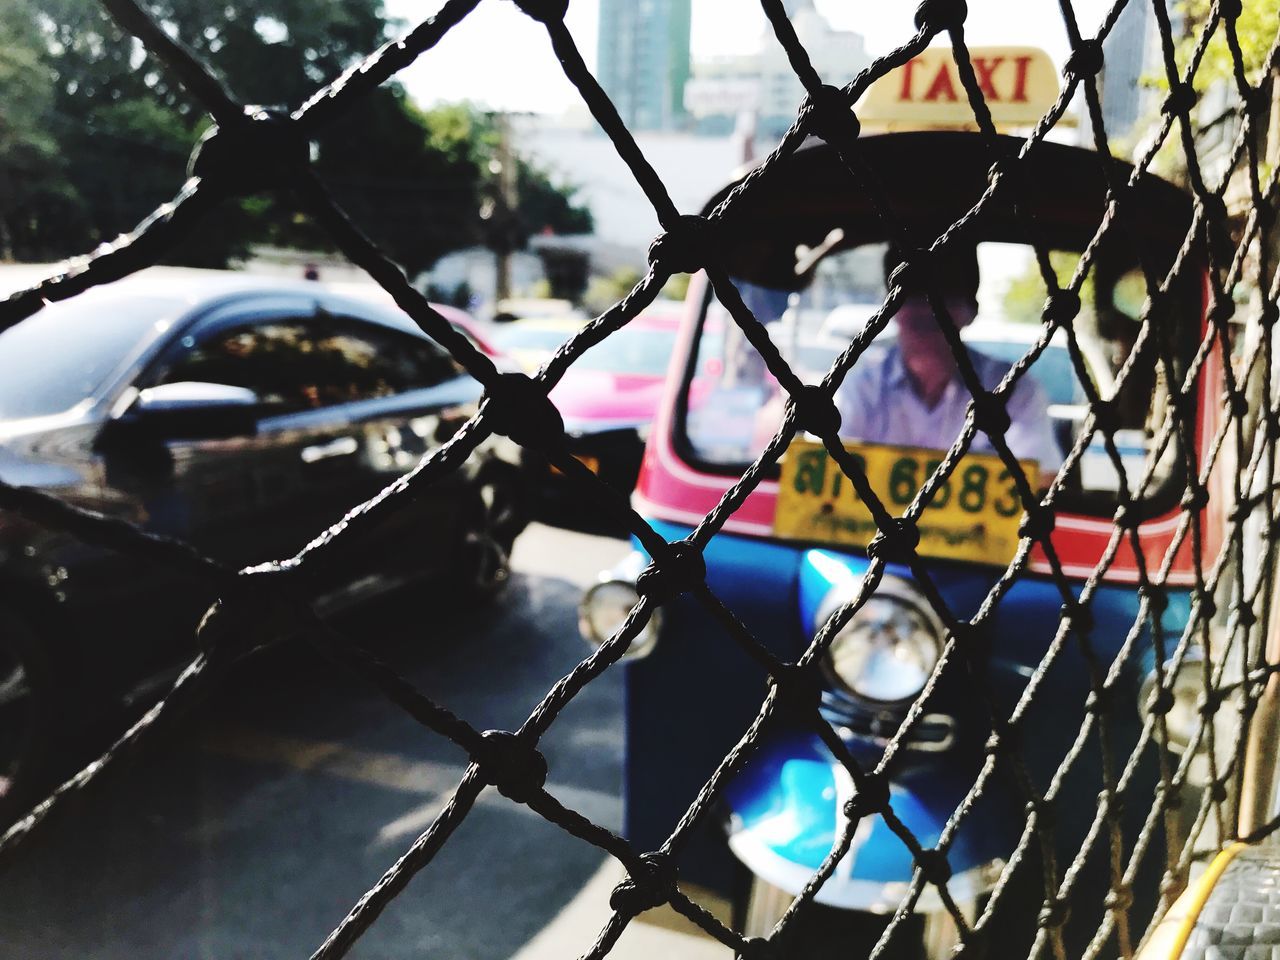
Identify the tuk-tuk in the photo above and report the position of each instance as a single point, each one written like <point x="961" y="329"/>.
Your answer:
<point x="806" y="250"/>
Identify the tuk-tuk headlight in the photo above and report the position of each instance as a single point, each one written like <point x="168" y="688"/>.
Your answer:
<point x="1184" y="690"/>
<point x="605" y="608"/>
<point x="1186" y="701"/>
<point x="889" y="647"/>
<point x="1186" y="697"/>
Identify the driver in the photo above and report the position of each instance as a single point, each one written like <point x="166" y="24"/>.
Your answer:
<point x="912" y="395"/>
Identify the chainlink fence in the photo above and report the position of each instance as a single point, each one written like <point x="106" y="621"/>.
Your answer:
<point x="250" y="149"/>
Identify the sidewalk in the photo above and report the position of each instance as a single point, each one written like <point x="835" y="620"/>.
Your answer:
<point x="658" y="933"/>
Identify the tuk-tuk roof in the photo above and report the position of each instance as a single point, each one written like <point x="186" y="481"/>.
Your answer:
<point x="930" y="179"/>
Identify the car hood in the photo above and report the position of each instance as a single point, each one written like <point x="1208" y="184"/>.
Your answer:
<point x="587" y="395"/>
<point x="39" y="454"/>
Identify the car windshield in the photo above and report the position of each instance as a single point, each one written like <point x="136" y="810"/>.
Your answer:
<point x="55" y="359"/>
<point x="644" y="352"/>
<point x="905" y="389"/>
<point x="518" y="336"/>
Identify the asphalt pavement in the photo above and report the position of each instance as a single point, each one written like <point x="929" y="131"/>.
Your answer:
<point x="250" y="829"/>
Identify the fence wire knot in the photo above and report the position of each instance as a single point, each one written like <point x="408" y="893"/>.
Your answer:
<point x="1085" y="60"/>
<point x="1181" y="99"/>
<point x="262" y="150"/>
<point x="651" y="886"/>
<point x="871" y="797"/>
<point x="934" y="866"/>
<point x="937" y="16"/>
<point x="798" y="692"/>
<point x="544" y="11"/>
<point x="518" y="408"/>
<point x="897" y="543"/>
<point x="683" y="248"/>
<point x="681" y="570"/>
<point x="816" y="411"/>
<point x="512" y="764"/>
<point x="831" y="116"/>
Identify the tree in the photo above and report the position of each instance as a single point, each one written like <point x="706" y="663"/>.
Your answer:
<point x="422" y="193"/>
<point x="471" y="136"/>
<point x="1255" y="29"/>
<point x="124" y="131"/>
<point x="603" y="292"/>
<point x="546" y="206"/>
<point x="1023" y="299"/>
<point x="28" y="154"/>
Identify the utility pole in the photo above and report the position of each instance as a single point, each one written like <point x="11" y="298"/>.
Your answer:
<point x="1260" y="800"/>
<point x="504" y="167"/>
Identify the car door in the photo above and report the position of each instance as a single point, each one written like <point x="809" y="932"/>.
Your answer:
<point x="246" y="496"/>
<point x="408" y="397"/>
<point x="261" y="495"/>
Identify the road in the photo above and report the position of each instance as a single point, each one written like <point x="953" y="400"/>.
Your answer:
<point x="249" y="830"/>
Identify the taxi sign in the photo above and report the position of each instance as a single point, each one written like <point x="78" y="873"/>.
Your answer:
<point x="1019" y="85"/>
<point x="974" y="516"/>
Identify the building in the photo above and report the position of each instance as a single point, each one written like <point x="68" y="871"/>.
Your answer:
<point x="764" y="83"/>
<point x="643" y="60"/>
<point x="692" y="167"/>
<point x="1127" y="56"/>
<point x="468" y="278"/>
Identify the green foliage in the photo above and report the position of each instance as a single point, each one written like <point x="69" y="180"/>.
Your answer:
<point x="1255" y="28"/>
<point x="548" y="207"/>
<point x="603" y="292"/>
<point x="1025" y="295"/>
<point x="676" y="287"/>
<point x="470" y="135"/>
<point x="94" y="134"/>
<point x="28" y="154"/>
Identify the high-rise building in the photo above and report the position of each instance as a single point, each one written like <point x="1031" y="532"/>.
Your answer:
<point x="763" y="84"/>
<point x="643" y="60"/>
<point x="1126" y="55"/>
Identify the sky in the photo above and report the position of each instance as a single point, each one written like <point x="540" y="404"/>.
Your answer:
<point x="502" y="59"/>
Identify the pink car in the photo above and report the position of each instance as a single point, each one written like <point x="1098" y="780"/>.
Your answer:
<point x="610" y="394"/>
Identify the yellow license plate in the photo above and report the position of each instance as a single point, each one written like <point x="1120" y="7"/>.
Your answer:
<point x="973" y="516"/>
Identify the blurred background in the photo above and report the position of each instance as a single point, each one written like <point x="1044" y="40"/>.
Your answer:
<point x="478" y="168"/>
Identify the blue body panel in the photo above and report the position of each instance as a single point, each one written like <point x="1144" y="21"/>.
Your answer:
<point x="787" y="815"/>
<point x="693" y="698"/>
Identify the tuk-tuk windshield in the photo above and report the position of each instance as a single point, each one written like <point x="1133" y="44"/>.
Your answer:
<point x="905" y="391"/>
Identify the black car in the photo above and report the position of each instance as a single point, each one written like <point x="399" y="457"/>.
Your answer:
<point x="243" y="416"/>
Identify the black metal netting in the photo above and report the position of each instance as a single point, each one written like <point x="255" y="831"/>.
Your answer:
<point x="251" y="149"/>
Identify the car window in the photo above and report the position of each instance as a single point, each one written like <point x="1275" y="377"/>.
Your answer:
<point x="301" y="364"/>
<point x="382" y="362"/>
<point x="514" y="336"/>
<point x="629" y="350"/>
<point x="65" y="353"/>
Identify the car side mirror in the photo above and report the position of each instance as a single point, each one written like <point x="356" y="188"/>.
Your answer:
<point x="193" y="411"/>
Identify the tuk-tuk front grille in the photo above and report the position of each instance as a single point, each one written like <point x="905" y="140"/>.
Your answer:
<point x="932" y="733"/>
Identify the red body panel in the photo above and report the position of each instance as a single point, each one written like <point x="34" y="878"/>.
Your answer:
<point x="598" y="395"/>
